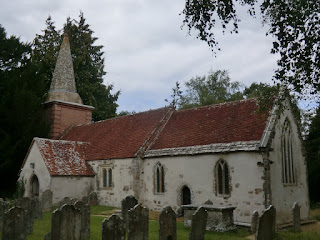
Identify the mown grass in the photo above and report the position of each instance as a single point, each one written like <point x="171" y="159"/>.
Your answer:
<point x="99" y="213"/>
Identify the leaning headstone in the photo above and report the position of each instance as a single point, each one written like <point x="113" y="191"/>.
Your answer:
<point x="46" y="200"/>
<point x="28" y="205"/>
<point x="296" y="217"/>
<point x="66" y="223"/>
<point x="85" y="219"/>
<point x="138" y="223"/>
<point x="254" y="221"/>
<point x="198" y="224"/>
<point x="126" y="204"/>
<point x="266" y="224"/>
<point x="14" y="224"/>
<point x="64" y="201"/>
<point x="93" y="198"/>
<point x="113" y="228"/>
<point x="167" y="224"/>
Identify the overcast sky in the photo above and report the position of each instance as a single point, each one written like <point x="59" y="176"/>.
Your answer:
<point x="146" y="51"/>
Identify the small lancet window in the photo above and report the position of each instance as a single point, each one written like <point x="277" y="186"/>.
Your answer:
<point x="222" y="178"/>
<point x="288" y="168"/>
<point x="106" y="177"/>
<point x="159" y="177"/>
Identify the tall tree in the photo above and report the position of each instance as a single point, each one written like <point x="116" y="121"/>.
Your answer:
<point x="313" y="157"/>
<point x="214" y="88"/>
<point x="21" y="116"/>
<point x="88" y="63"/>
<point x="294" y="24"/>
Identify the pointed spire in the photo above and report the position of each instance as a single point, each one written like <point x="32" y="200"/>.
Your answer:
<point x="63" y="85"/>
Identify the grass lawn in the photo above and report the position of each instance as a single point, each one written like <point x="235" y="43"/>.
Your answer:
<point x="98" y="213"/>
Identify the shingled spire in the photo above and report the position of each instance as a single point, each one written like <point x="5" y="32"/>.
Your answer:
<point x="63" y="85"/>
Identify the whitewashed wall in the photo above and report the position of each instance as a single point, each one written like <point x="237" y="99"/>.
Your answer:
<point x="124" y="180"/>
<point x="283" y="196"/>
<point x="70" y="186"/>
<point x="197" y="172"/>
<point x="40" y="170"/>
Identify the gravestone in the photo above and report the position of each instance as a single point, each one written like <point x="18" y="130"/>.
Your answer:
<point x="93" y="198"/>
<point x="47" y="236"/>
<point x="64" y="201"/>
<point x="36" y="207"/>
<point x="85" y="219"/>
<point x="126" y="204"/>
<point x="2" y="211"/>
<point x="167" y="224"/>
<point x="266" y="224"/>
<point x="113" y="228"/>
<point x="66" y="223"/>
<point x="254" y="221"/>
<point x="14" y="224"/>
<point x="198" y="224"/>
<point x="296" y="217"/>
<point x="46" y="200"/>
<point x="73" y="200"/>
<point x="138" y="223"/>
<point x="85" y="199"/>
<point x="208" y="202"/>
<point x="28" y="206"/>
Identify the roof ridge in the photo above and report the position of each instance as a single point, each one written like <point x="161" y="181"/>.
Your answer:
<point x="219" y="104"/>
<point x="59" y="140"/>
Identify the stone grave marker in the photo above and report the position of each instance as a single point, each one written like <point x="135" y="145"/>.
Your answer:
<point x="126" y="204"/>
<point x="93" y="198"/>
<point x="266" y="224"/>
<point x="28" y="206"/>
<point x="14" y="224"/>
<point x="85" y="219"/>
<point x="85" y="199"/>
<point x="46" y="200"/>
<point x="113" y="228"/>
<point x="254" y="221"/>
<point x="167" y="224"/>
<point x="198" y="224"/>
<point x="2" y="211"/>
<point x="66" y="223"/>
<point x="208" y="202"/>
<point x="296" y="217"/>
<point x="64" y="201"/>
<point x="138" y="223"/>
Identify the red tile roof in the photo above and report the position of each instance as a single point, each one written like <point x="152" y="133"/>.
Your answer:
<point x="120" y="137"/>
<point x="64" y="158"/>
<point x="220" y="123"/>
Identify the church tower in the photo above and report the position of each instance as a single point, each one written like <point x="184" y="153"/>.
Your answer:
<point x="64" y="105"/>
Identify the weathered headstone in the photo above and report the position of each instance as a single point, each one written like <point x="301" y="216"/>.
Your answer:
<point x="198" y="224"/>
<point x="64" y="201"/>
<point x="2" y="211"/>
<point x="126" y="204"/>
<point x="167" y="224"/>
<point x="66" y="223"/>
<point x="266" y="224"/>
<point x="93" y="198"/>
<point x="208" y="202"/>
<point x="85" y="219"/>
<point x="36" y="207"/>
<point x="28" y="205"/>
<point x="73" y="200"/>
<point x="296" y="217"/>
<point x="47" y="236"/>
<point x="14" y="224"/>
<point x="138" y="223"/>
<point x="46" y="200"/>
<point x="254" y="221"/>
<point x="113" y="228"/>
<point x="85" y="199"/>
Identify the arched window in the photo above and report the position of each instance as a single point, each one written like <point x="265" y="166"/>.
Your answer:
<point x="159" y="178"/>
<point x="288" y="169"/>
<point x="106" y="177"/>
<point x="222" y="178"/>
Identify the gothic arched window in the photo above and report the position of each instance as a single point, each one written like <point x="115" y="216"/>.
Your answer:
<point x="288" y="169"/>
<point x="222" y="178"/>
<point x="106" y="177"/>
<point x="159" y="178"/>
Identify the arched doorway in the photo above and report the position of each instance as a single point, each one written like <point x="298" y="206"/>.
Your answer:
<point x="34" y="186"/>
<point x="186" y="195"/>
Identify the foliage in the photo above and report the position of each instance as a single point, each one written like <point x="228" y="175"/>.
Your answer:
<point x="21" y="118"/>
<point x="206" y="90"/>
<point x="20" y="189"/>
<point x="175" y="96"/>
<point x="88" y="63"/>
<point x="313" y="157"/>
<point x="294" y="24"/>
<point x="125" y="113"/>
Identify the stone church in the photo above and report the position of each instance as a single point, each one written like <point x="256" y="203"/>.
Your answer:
<point x="230" y="153"/>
